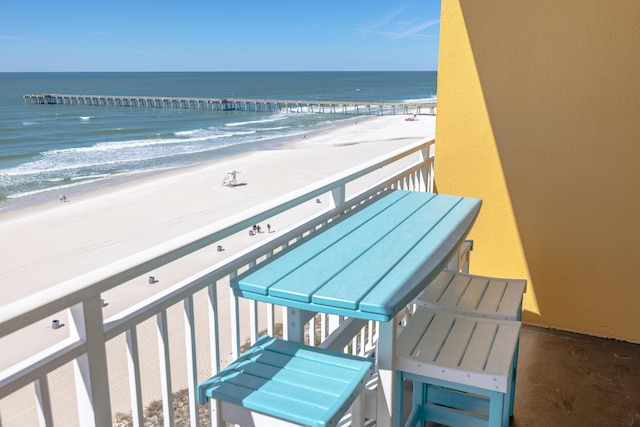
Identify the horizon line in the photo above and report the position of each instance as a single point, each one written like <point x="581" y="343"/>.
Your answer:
<point x="226" y="71"/>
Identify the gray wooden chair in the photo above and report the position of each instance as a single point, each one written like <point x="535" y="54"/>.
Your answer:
<point x="461" y="367"/>
<point x="488" y="297"/>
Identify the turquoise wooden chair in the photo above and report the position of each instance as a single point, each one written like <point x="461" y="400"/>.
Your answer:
<point x="461" y="367"/>
<point x="283" y="383"/>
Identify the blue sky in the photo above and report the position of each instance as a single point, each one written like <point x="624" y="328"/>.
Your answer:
<point x="210" y="35"/>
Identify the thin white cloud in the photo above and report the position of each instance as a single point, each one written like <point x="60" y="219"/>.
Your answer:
<point x="380" y="33"/>
<point x="381" y="27"/>
<point x="384" y="21"/>
<point x="309" y="27"/>
<point x="414" y="31"/>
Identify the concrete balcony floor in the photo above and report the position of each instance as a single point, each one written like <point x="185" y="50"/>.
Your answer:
<point x="567" y="379"/>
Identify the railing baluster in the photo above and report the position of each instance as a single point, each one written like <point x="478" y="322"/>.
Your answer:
<point x="338" y="196"/>
<point x="164" y="359"/>
<point x="312" y="331"/>
<point x="135" y="386"/>
<point x="334" y="322"/>
<point x="91" y="375"/>
<point x="214" y="344"/>
<point x="426" y="173"/>
<point x="192" y="366"/>
<point x="234" y="316"/>
<point x="372" y="325"/>
<point x="285" y="322"/>
<point x="253" y="321"/>
<point x="43" y="400"/>
<point x="271" y="321"/>
<point x="321" y="328"/>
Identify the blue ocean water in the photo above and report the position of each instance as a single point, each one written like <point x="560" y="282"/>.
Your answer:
<point x="47" y="150"/>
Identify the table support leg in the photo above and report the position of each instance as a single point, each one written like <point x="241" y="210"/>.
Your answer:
<point x="387" y="409"/>
<point x="295" y="325"/>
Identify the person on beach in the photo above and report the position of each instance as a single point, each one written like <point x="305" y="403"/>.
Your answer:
<point x="269" y="228"/>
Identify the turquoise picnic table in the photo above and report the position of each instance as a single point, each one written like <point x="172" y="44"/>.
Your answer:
<point x="368" y="265"/>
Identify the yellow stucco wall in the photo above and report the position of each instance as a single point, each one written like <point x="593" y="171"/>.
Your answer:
<point x="539" y="115"/>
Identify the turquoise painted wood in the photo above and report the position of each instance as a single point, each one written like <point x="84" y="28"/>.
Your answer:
<point x="290" y="381"/>
<point x="371" y="263"/>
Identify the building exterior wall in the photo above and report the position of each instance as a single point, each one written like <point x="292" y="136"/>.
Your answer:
<point x="539" y="115"/>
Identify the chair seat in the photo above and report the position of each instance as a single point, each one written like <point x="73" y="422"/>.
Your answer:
<point x="291" y="381"/>
<point x="475" y="295"/>
<point x="461" y="366"/>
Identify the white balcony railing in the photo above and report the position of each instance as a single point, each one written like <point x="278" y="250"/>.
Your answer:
<point x="113" y="364"/>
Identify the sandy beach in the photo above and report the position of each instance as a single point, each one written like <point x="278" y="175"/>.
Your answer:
<point x="47" y="244"/>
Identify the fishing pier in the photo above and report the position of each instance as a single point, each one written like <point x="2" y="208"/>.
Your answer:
<point x="232" y="104"/>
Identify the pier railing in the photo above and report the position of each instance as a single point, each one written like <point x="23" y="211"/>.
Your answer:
<point x="227" y="104"/>
<point x="79" y="381"/>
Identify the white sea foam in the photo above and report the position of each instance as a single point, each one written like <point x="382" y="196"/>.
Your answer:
<point x="68" y="161"/>
<point x="276" y="128"/>
<point x="252" y="122"/>
<point x="421" y="100"/>
<point x="44" y="190"/>
<point x="212" y="132"/>
<point x="89" y="179"/>
<point x="192" y="136"/>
